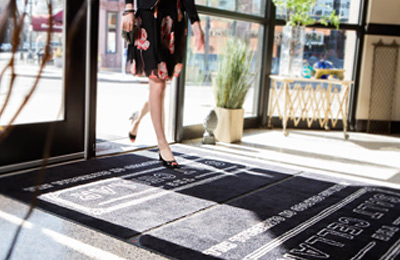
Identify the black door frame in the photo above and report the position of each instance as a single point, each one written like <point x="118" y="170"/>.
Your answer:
<point x="23" y="147"/>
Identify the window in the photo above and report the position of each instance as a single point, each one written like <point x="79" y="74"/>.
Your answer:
<point x="336" y="46"/>
<point x="46" y="104"/>
<point x="111" y="32"/>
<point x="201" y="65"/>
<point x="348" y="10"/>
<point x="252" y="7"/>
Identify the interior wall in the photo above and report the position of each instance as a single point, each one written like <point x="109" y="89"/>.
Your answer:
<point x="366" y="76"/>
<point x="384" y="12"/>
<point x="379" y="12"/>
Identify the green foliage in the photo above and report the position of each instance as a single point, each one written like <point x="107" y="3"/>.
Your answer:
<point x="233" y="78"/>
<point x="298" y="13"/>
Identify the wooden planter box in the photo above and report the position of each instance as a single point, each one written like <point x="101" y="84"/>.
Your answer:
<point x="230" y="125"/>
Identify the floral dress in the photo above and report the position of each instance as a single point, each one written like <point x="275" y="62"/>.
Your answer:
<point x="158" y="48"/>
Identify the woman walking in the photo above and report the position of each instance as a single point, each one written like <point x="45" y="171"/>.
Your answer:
<point x="157" y="53"/>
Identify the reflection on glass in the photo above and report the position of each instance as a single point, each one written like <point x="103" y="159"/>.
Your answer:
<point x="348" y="10"/>
<point x="201" y="65"/>
<point x="335" y="46"/>
<point x="111" y="32"/>
<point x="253" y="7"/>
<point x="46" y="103"/>
<point x="322" y="45"/>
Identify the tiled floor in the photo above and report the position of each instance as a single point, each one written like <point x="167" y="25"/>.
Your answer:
<point x="365" y="157"/>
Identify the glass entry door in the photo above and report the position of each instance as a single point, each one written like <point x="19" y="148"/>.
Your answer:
<point x="54" y="109"/>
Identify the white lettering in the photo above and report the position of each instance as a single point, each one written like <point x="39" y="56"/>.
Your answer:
<point x="390" y="199"/>
<point x="103" y="190"/>
<point x="287" y="213"/>
<point x="291" y="257"/>
<point x="39" y="187"/>
<point x="324" y="232"/>
<point x="362" y="209"/>
<point x="385" y="233"/>
<point x="396" y="222"/>
<point x="165" y="176"/>
<point x="117" y="170"/>
<point x="314" y="239"/>
<point x="357" y="222"/>
<point x="307" y="250"/>
<point x="354" y="231"/>
<point x="86" y="195"/>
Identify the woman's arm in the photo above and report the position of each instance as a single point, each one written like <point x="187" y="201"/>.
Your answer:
<point x="198" y="35"/>
<point x="190" y="9"/>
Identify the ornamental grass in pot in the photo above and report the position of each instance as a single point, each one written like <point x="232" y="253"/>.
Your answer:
<point x="231" y="84"/>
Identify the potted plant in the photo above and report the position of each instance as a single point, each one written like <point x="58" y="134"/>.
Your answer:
<point x="231" y="84"/>
<point x="298" y="16"/>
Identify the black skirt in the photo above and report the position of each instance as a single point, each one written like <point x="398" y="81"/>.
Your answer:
<point x="160" y="42"/>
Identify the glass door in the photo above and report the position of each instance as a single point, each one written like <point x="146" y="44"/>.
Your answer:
<point x="36" y="111"/>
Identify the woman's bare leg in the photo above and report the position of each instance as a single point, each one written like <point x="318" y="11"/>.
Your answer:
<point x="136" y="121"/>
<point x="156" y="106"/>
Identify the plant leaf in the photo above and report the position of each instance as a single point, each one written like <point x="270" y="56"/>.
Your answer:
<point x="233" y="78"/>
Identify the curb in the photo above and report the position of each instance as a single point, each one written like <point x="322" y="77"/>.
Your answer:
<point x="100" y="79"/>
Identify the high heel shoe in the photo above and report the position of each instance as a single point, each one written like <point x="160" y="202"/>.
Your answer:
<point x="168" y="164"/>
<point x="132" y="118"/>
<point x="132" y="137"/>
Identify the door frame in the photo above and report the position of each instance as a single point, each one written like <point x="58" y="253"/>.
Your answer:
<point x="25" y="144"/>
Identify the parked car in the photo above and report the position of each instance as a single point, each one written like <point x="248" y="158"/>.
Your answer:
<point x="25" y="46"/>
<point x="5" y="47"/>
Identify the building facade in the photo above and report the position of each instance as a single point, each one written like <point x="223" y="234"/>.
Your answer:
<point x="111" y="45"/>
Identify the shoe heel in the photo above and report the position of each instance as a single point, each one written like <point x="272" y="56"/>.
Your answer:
<point x="168" y="164"/>
<point x="132" y="118"/>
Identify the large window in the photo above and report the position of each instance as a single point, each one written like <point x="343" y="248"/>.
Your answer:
<point x="202" y="65"/>
<point x="336" y="46"/>
<point x="223" y="19"/>
<point x="253" y="7"/>
<point x="46" y="103"/>
<point x="348" y="10"/>
<point x="111" y="32"/>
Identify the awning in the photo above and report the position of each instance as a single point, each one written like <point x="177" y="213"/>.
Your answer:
<point x="40" y="23"/>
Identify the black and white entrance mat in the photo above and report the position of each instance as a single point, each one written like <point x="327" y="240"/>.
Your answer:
<point x="126" y="195"/>
<point x="298" y="219"/>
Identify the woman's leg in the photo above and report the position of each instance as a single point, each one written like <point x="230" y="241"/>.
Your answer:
<point x="138" y="117"/>
<point x="156" y="106"/>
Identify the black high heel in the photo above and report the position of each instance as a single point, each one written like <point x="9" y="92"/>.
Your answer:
<point x="132" y="118"/>
<point x="168" y="164"/>
<point x="132" y="137"/>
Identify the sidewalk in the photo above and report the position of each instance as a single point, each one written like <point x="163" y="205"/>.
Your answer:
<point x="52" y="72"/>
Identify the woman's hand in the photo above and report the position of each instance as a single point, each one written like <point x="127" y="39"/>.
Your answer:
<point x="198" y="35"/>
<point x="128" y="19"/>
<point x="127" y="22"/>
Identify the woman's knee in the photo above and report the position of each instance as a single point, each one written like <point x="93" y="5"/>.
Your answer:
<point x="157" y="86"/>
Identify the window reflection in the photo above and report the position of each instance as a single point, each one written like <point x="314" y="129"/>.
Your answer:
<point x="201" y="65"/>
<point x="46" y="103"/>
<point x="336" y="46"/>
<point x="253" y="7"/>
<point x="348" y="10"/>
<point x="111" y="32"/>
